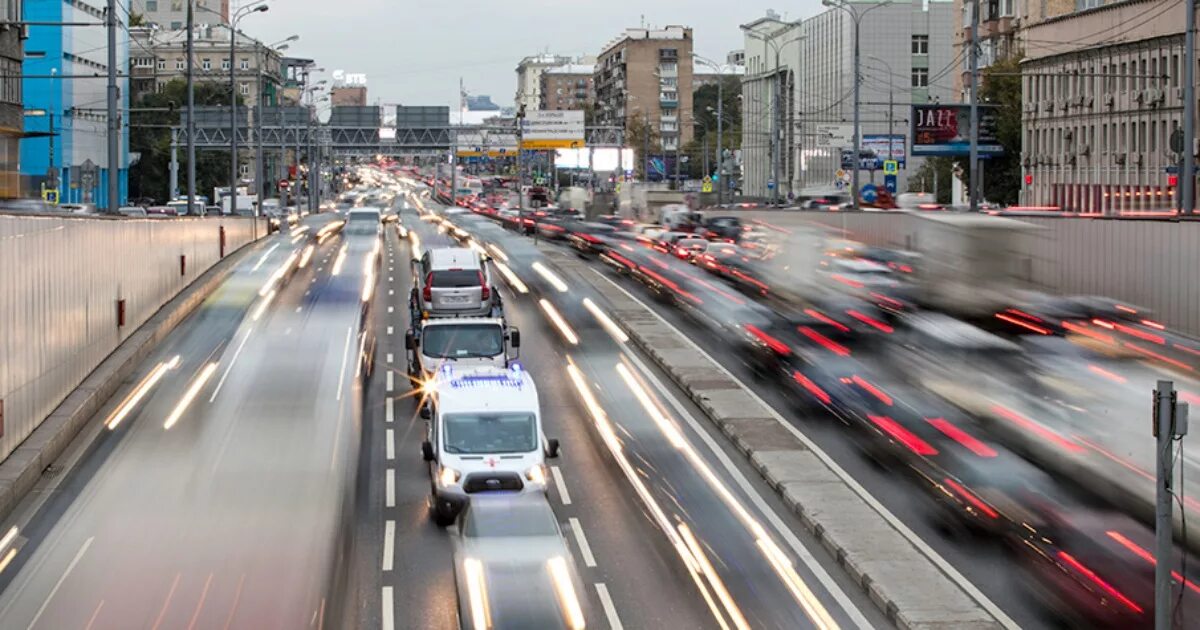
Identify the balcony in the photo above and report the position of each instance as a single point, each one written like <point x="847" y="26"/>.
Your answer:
<point x="669" y="101"/>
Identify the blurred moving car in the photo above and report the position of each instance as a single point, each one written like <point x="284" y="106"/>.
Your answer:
<point x="513" y="567"/>
<point x="453" y="281"/>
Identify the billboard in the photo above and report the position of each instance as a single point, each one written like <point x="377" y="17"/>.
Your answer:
<point x="546" y="129"/>
<point x="945" y="130"/>
<point x="603" y="159"/>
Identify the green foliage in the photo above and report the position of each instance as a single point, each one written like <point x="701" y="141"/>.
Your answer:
<point x="150" y="135"/>
<point x="1002" y="87"/>
<point x="934" y="171"/>
<point x="642" y="134"/>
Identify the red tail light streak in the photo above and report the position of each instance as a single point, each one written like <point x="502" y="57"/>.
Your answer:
<point x="1147" y="556"/>
<point x="903" y="436"/>
<point x="815" y="314"/>
<point x="970" y="497"/>
<point x="962" y="437"/>
<point x="812" y="387"/>
<point x="1039" y="430"/>
<point x="1022" y="323"/>
<point x="774" y="344"/>
<point x="1095" y="580"/>
<point x="870" y="321"/>
<point x="825" y="342"/>
<point x="875" y="391"/>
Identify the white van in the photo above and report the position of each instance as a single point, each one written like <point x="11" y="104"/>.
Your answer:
<point x="465" y="342"/>
<point x="483" y="434"/>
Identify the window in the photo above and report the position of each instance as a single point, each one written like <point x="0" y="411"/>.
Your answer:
<point x="10" y="85"/>
<point x="206" y="64"/>
<point x="162" y="64"/>
<point x="244" y="169"/>
<point x="151" y="6"/>
<point x="245" y="64"/>
<point x="668" y="54"/>
<point x="175" y="26"/>
<point x="1174" y="70"/>
<point x="668" y="68"/>
<point x="1143" y="73"/>
<point x="1008" y="8"/>
<point x="1153" y="135"/>
<point x="179" y="64"/>
<point x="920" y="44"/>
<point x="143" y="62"/>
<point x="224" y="64"/>
<point x="1124" y="77"/>
<point x="920" y="77"/>
<point x="244" y="89"/>
<point x="176" y="5"/>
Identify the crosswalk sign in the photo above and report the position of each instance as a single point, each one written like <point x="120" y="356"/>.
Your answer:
<point x="706" y="185"/>
<point x="891" y="167"/>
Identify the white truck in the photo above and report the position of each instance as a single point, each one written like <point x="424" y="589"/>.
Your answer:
<point x="483" y="434"/>
<point x="971" y="265"/>
<point x="462" y="342"/>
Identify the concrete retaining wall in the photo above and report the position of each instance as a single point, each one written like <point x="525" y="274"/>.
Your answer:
<point x="1149" y="263"/>
<point x="61" y="279"/>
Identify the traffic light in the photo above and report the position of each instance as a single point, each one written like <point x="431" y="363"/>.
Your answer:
<point x="1172" y="180"/>
<point x="1028" y="179"/>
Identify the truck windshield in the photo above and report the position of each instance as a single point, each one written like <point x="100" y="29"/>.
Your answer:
<point x="362" y="223"/>
<point x="462" y="341"/>
<point x="475" y="434"/>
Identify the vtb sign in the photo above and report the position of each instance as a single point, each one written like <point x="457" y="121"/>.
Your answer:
<point x="341" y="77"/>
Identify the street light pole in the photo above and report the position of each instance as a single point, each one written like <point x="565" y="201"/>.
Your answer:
<point x="190" y="114"/>
<point x="233" y="94"/>
<point x="973" y="171"/>
<point x="114" y="123"/>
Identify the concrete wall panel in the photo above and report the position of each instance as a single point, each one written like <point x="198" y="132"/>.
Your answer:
<point x="60" y="279"/>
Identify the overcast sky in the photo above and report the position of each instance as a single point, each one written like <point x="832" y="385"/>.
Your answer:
<point x="413" y="51"/>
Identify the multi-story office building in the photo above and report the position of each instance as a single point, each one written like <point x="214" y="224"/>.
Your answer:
<point x="646" y="76"/>
<point x="906" y="57"/>
<point x="1102" y="95"/>
<point x="348" y="96"/>
<point x="999" y="23"/>
<point x="72" y="155"/>
<point x="172" y="14"/>
<point x="569" y="86"/>
<point x="529" y="78"/>
<point x="11" y="105"/>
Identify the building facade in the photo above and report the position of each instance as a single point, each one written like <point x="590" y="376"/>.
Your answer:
<point x="644" y="79"/>
<point x="569" y="86"/>
<point x="172" y="14"/>
<point x="529" y="78"/>
<point x="348" y="96"/>
<point x="906" y="57"/>
<point x="12" y="125"/>
<point x="71" y="117"/>
<point x="999" y="23"/>
<point x="1098" y="114"/>
<point x="159" y="57"/>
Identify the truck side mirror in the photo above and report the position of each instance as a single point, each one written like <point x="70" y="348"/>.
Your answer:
<point x="427" y="451"/>
<point x="514" y="338"/>
<point x="410" y="342"/>
<point x="552" y="448"/>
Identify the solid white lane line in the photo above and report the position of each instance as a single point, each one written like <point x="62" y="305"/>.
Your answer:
<point x="788" y="536"/>
<point x="389" y="410"/>
<point x="389" y="544"/>
<point x="391" y="444"/>
<point x="232" y="360"/>
<point x="561" y="485"/>
<point x="345" y="358"/>
<point x="610" y="609"/>
<point x="391" y="380"/>
<point x="390" y="488"/>
<point x="390" y="330"/>
<point x="388" y="622"/>
<point x="585" y="550"/>
<point x="57" y="585"/>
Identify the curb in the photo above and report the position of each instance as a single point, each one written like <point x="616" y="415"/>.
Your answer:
<point x="21" y="470"/>
<point x="899" y="577"/>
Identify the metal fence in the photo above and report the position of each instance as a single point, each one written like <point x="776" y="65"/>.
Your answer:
<point x="1150" y="263"/>
<point x="60" y="282"/>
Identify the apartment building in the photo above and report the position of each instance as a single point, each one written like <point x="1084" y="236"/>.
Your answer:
<point x="11" y="106"/>
<point x="645" y="75"/>
<point x="159" y="56"/>
<point x="172" y="14"/>
<point x="1102" y="95"/>
<point x="348" y="96"/>
<point x="529" y="78"/>
<point x="569" y="86"/>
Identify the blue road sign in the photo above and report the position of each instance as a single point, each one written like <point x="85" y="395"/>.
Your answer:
<point x="889" y="182"/>
<point x="770" y="184"/>
<point x="869" y="193"/>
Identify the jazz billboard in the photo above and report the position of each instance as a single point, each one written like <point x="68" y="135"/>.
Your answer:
<point x="940" y="129"/>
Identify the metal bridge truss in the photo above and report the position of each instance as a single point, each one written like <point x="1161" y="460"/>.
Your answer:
<point x="212" y="134"/>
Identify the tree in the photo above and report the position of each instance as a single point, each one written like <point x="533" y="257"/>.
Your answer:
<point x="150" y="136"/>
<point x="934" y="171"/>
<point x="136" y="19"/>
<point x="642" y="135"/>
<point x="1002" y="87"/>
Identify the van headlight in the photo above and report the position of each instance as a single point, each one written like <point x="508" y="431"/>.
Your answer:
<point x="448" y="476"/>
<point x="537" y="474"/>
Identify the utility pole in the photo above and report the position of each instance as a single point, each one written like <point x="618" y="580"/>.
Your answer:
<point x="190" y="114"/>
<point x="173" y="184"/>
<point x="260" y="189"/>
<point x="854" y="190"/>
<point x="233" y="121"/>
<point x="721" y="183"/>
<point x="1187" y="180"/>
<point x="114" y="121"/>
<point x="1170" y="424"/>
<point x="973" y="170"/>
